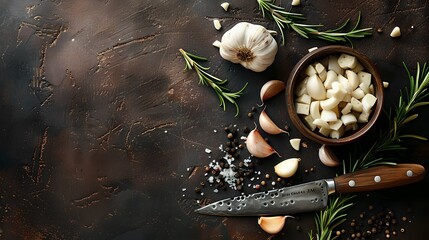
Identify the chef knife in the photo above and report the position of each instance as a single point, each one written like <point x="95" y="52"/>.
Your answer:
<point x="313" y="196"/>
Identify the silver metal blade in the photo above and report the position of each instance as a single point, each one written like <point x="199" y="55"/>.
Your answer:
<point x="306" y="197"/>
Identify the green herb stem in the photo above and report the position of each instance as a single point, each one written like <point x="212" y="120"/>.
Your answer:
<point x="215" y="83"/>
<point x="284" y="19"/>
<point x="388" y="140"/>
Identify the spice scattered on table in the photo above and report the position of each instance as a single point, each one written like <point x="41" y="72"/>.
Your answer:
<point x="373" y="224"/>
<point x="234" y="168"/>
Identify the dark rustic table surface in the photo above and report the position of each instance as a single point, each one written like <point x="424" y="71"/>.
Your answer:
<point x="104" y="136"/>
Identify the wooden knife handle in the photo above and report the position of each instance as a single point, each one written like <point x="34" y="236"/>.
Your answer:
<point x="380" y="177"/>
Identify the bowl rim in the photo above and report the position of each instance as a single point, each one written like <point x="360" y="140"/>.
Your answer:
<point x="319" y="54"/>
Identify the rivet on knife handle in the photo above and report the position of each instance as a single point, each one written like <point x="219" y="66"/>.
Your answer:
<point x="379" y="177"/>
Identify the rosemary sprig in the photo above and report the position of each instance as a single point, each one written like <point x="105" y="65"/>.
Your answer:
<point x="335" y="214"/>
<point x="207" y="79"/>
<point x="389" y="140"/>
<point x="288" y="19"/>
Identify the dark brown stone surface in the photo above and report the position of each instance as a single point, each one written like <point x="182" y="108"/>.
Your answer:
<point x="103" y="136"/>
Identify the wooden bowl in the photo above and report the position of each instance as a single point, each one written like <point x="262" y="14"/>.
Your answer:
<point x="297" y="75"/>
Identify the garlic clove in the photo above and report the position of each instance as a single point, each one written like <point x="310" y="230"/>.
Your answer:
<point x="315" y="88"/>
<point x="268" y="125"/>
<point x="272" y="224"/>
<point x="287" y="168"/>
<point x="271" y="89"/>
<point x="257" y="146"/>
<point x="327" y="157"/>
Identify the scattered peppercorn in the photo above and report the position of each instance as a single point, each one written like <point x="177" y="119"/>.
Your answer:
<point x="382" y="224"/>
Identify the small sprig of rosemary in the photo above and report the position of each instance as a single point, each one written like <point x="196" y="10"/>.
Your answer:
<point x="207" y="79"/>
<point x="288" y="19"/>
<point x="332" y="216"/>
<point x="389" y="140"/>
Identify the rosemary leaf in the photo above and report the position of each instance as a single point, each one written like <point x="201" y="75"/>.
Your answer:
<point x="209" y="80"/>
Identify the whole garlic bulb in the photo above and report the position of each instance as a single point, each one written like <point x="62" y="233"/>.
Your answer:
<point x="249" y="44"/>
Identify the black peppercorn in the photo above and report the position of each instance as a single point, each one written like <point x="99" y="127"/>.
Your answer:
<point x="246" y="130"/>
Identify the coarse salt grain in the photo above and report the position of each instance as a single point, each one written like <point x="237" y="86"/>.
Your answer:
<point x="208" y="150"/>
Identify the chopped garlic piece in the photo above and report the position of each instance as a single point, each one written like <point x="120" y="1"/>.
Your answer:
<point x="396" y="32"/>
<point x="296" y="2"/>
<point x="225" y="6"/>
<point x="302" y="108"/>
<point x="217" y="24"/>
<point x="312" y="49"/>
<point x="385" y="84"/>
<point x="295" y="143"/>
<point x="347" y="61"/>
<point x="217" y="43"/>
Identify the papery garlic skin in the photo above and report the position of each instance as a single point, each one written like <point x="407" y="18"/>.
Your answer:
<point x="250" y="45"/>
<point x="271" y="89"/>
<point x="327" y="157"/>
<point x="257" y="146"/>
<point x="268" y="125"/>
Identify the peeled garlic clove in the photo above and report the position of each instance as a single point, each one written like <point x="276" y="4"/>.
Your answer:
<point x="315" y="88"/>
<point x="257" y="146"/>
<point x="268" y="125"/>
<point x="287" y="168"/>
<point x="272" y="225"/>
<point x="327" y="157"/>
<point x="270" y="89"/>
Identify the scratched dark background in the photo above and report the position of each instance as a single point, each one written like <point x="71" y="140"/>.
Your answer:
<point x="103" y="136"/>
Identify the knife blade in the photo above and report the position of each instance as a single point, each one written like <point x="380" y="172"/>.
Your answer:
<point x="313" y="196"/>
